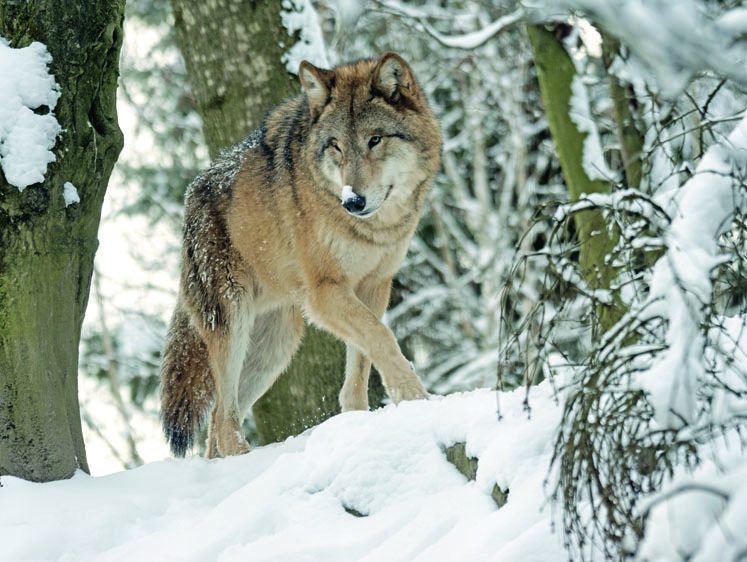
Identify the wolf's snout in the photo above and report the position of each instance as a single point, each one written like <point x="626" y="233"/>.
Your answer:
<point x="354" y="204"/>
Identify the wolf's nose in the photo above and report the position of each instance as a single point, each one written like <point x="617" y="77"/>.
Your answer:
<point x="354" y="204"/>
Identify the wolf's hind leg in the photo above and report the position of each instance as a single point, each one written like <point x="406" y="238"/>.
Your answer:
<point x="227" y="351"/>
<point x="275" y="338"/>
<point x="211" y="451"/>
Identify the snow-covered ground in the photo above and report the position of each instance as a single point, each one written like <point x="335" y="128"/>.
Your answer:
<point x="295" y="501"/>
<point x="288" y="501"/>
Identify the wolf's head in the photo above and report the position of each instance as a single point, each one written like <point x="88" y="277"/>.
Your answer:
<point x="373" y="140"/>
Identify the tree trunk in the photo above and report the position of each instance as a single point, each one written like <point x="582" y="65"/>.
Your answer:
<point x="234" y="63"/>
<point x="631" y="140"/>
<point x="46" y="247"/>
<point x="555" y="72"/>
<point x="306" y="394"/>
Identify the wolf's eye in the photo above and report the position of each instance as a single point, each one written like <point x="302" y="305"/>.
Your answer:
<point x="333" y="144"/>
<point x="373" y="141"/>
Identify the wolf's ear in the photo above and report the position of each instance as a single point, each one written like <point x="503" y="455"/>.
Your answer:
<point x="318" y="84"/>
<point x="393" y="78"/>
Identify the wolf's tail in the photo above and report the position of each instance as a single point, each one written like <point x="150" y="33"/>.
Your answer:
<point x="187" y="386"/>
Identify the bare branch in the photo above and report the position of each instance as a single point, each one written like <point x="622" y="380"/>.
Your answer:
<point x="468" y="41"/>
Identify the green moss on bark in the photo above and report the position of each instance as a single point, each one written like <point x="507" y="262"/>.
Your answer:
<point x="306" y="394"/>
<point x="631" y="140"/>
<point x="457" y="455"/>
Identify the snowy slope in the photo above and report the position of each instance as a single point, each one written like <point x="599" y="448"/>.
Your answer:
<point x="295" y="501"/>
<point x="287" y="501"/>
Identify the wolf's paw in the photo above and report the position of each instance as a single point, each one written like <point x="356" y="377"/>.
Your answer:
<point x="352" y="403"/>
<point x="234" y="445"/>
<point x="238" y="449"/>
<point x="411" y="389"/>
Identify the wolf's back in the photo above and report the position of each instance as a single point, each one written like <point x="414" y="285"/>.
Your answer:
<point x="187" y="386"/>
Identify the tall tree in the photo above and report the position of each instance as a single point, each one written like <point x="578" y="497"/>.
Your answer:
<point x="235" y="67"/>
<point x="556" y="72"/>
<point x="233" y="54"/>
<point x="47" y="247"/>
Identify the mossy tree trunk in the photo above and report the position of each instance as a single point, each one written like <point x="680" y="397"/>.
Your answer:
<point x="46" y="248"/>
<point x="234" y="64"/>
<point x="555" y="72"/>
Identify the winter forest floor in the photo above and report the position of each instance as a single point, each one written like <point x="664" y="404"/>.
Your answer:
<point x="369" y="486"/>
<point x="361" y="486"/>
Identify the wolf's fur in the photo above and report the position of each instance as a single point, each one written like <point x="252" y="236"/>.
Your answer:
<point x="267" y="242"/>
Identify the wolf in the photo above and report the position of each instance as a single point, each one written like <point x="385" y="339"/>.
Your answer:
<point x="308" y="218"/>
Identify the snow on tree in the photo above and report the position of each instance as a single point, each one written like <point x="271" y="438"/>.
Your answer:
<point x="653" y="383"/>
<point x="26" y="138"/>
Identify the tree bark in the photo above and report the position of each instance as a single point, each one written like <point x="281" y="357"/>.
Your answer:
<point x="46" y="247"/>
<point x="232" y="50"/>
<point x="306" y="394"/>
<point x="631" y="140"/>
<point x="234" y="64"/>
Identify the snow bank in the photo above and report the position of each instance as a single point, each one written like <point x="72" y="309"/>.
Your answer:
<point x="366" y="486"/>
<point x="289" y="501"/>
<point x="26" y="137"/>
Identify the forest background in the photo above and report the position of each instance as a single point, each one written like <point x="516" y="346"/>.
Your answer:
<point x="588" y="219"/>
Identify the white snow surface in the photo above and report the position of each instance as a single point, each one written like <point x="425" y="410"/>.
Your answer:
<point x="26" y="138"/>
<point x="70" y="194"/>
<point x="287" y="501"/>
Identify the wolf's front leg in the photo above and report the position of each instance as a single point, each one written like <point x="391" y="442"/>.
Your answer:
<point x="354" y="394"/>
<point x="227" y="350"/>
<point x="335" y="306"/>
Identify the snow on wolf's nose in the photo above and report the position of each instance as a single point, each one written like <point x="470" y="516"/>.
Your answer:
<point x="348" y="193"/>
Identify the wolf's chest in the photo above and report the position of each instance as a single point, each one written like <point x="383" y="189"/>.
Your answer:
<point x="359" y="260"/>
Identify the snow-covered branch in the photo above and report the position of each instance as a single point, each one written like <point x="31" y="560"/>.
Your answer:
<point x="674" y="39"/>
<point x="682" y="277"/>
<point x="476" y="38"/>
<point x="467" y="41"/>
